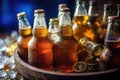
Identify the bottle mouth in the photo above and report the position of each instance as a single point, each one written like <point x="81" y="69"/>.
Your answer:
<point x="21" y="14"/>
<point x="108" y="6"/>
<point x="39" y="11"/>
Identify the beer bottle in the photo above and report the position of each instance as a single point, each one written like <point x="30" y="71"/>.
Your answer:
<point x="118" y="10"/>
<point x="107" y="12"/>
<point x="25" y="34"/>
<point x="112" y="40"/>
<point x="93" y="18"/>
<point x="79" y="21"/>
<point x="65" y="50"/>
<point x="40" y="52"/>
<point x="53" y="30"/>
<point x="93" y="48"/>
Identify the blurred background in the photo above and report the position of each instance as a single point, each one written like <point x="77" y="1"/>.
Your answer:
<point x="10" y="8"/>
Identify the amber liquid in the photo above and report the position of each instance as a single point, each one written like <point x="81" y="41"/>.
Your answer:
<point x="81" y="29"/>
<point x="114" y="47"/>
<point x="65" y="51"/>
<point x="94" y="23"/>
<point x="22" y="43"/>
<point x="40" y="52"/>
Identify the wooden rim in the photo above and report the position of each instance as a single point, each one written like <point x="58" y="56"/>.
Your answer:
<point x="18" y="59"/>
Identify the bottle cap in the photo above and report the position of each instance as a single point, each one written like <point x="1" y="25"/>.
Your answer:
<point x="92" y="2"/>
<point x="79" y="66"/>
<point x="83" y="41"/>
<point x="21" y="14"/>
<point x="65" y="9"/>
<point x="53" y="19"/>
<point x="108" y="6"/>
<point x="60" y="6"/>
<point x="39" y="11"/>
<point x="97" y="50"/>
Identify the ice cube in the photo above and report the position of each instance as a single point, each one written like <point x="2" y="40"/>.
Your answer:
<point x="14" y="34"/>
<point x="12" y="74"/>
<point x="2" y="45"/>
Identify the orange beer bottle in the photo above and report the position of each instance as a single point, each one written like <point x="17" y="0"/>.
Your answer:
<point x="25" y="34"/>
<point x="65" y="50"/>
<point x="40" y="52"/>
<point x="79" y="21"/>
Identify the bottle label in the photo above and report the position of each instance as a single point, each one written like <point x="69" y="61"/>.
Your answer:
<point x="67" y="30"/>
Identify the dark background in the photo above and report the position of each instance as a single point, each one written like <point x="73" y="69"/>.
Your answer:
<point x="10" y="8"/>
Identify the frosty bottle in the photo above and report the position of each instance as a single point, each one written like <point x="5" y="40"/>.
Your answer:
<point x="40" y="52"/>
<point x="25" y="34"/>
<point x="65" y="50"/>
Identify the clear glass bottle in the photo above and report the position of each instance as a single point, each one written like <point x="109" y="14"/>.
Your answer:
<point x="40" y="53"/>
<point x="112" y="40"/>
<point x="79" y="21"/>
<point x="53" y="30"/>
<point x="93" y="48"/>
<point x="94" y="18"/>
<point x="108" y="9"/>
<point x="65" y="50"/>
<point x="25" y="34"/>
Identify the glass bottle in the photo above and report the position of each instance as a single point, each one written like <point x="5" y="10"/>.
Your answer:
<point x="79" y="21"/>
<point x="25" y="34"/>
<point x="40" y="53"/>
<point x="93" y="48"/>
<point x="112" y="40"/>
<point x="94" y="18"/>
<point x="118" y="10"/>
<point x="53" y="30"/>
<point x="107" y="12"/>
<point x="65" y="50"/>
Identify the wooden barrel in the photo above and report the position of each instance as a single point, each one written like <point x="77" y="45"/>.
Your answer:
<point x="33" y="73"/>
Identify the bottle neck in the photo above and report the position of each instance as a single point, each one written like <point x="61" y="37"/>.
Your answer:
<point x="39" y="20"/>
<point x="40" y="28"/>
<point x="24" y="23"/>
<point x="80" y="8"/>
<point x="24" y="27"/>
<point x="93" y="10"/>
<point x="65" y="19"/>
<point x="53" y="26"/>
<point x="105" y="16"/>
<point x="65" y="24"/>
<point x="118" y="13"/>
